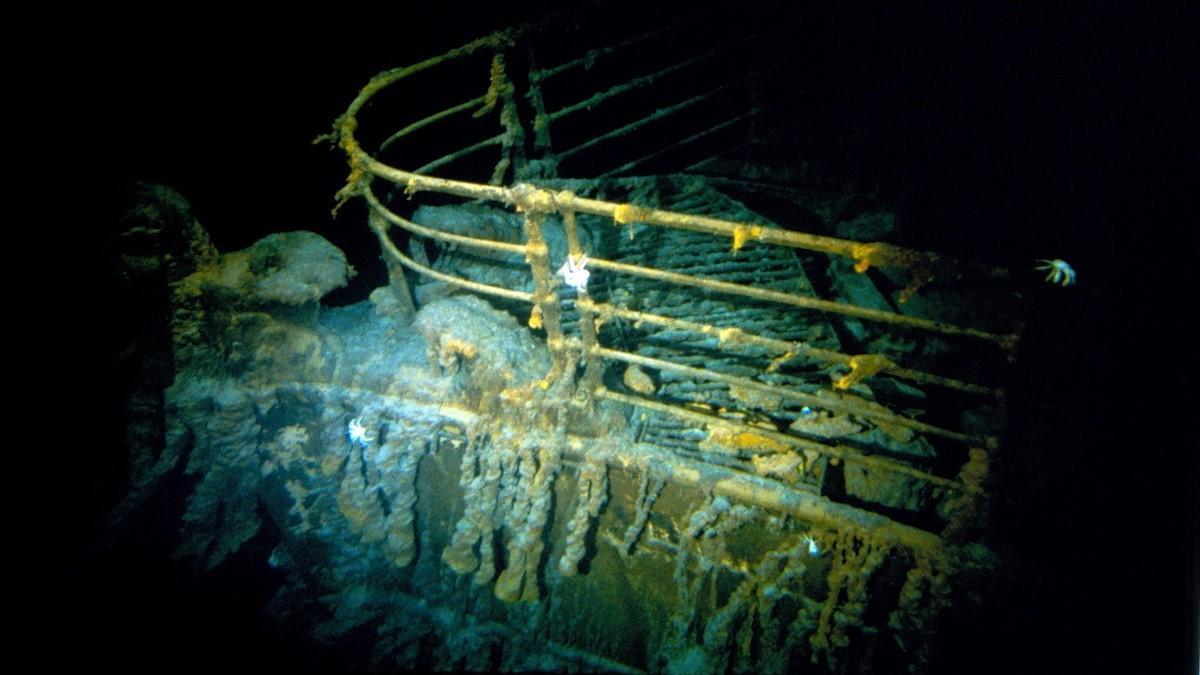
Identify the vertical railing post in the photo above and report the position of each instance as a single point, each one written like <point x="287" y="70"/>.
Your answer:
<point x="545" y="164"/>
<point x="397" y="282"/>
<point x="512" y="147"/>
<point x="537" y="254"/>
<point x="587" y="321"/>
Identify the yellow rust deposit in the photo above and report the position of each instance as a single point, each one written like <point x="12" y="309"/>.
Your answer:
<point x="780" y="360"/>
<point x="863" y="366"/>
<point x="920" y="264"/>
<point x="744" y="233"/>
<point x="785" y="466"/>
<point x="738" y="439"/>
<point x="637" y="380"/>
<point x="450" y="349"/>
<point x="519" y="395"/>
<point x="497" y="85"/>
<point x="628" y="213"/>
<point x="755" y="398"/>
<point x="530" y="199"/>
<point x="879" y="254"/>
<point x="729" y="336"/>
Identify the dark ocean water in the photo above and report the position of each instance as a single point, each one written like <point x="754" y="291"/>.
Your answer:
<point x="1007" y="131"/>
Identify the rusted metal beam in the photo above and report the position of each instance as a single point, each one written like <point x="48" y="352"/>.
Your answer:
<point x="545" y="296"/>
<point x="594" y="55"/>
<point x="390" y="249"/>
<point x="658" y="114"/>
<point x="530" y="198"/>
<point x="470" y="242"/>
<point x="766" y="493"/>
<point x="642" y="81"/>
<point x="498" y="139"/>
<point x="587" y="324"/>
<point x="804" y="302"/>
<point x="396" y="279"/>
<point x="426" y="121"/>
<point x="683" y="141"/>
<point x="835" y="405"/>
<point x="734" y="336"/>
<point x="840" y="453"/>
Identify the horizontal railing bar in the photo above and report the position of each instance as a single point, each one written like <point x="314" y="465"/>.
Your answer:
<point x="835" y="405"/>
<point x="594" y="55"/>
<point x="459" y="154"/>
<point x="393" y="75"/>
<point x="644" y="80"/>
<point x="391" y="249"/>
<point x="461" y="107"/>
<point x="473" y="242"/>
<point x="690" y="139"/>
<point x="835" y="452"/>
<point x="802" y="504"/>
<point x="529" y="197"/>
<point x="415" y="182"/>
<point x="781" y="297"/>
<point x="737" y="335"/>
<point x="652" y="117"/>
<point x="746" y="488"/>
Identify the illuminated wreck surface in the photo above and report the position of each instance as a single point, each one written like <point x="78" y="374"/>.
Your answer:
<point x="435" y="480"/>
<point x="632" y="396"/>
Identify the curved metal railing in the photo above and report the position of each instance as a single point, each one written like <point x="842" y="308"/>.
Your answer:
<point x="500" y="100"/>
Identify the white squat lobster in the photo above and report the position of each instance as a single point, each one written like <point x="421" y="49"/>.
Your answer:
<point x="814" y="548"/>
<point x="1060" y="271"/>
<point x="575" y="274"/>
<point x="358" y="433"/>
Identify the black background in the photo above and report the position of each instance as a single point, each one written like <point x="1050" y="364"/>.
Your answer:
<point x="1012" y="130"/>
